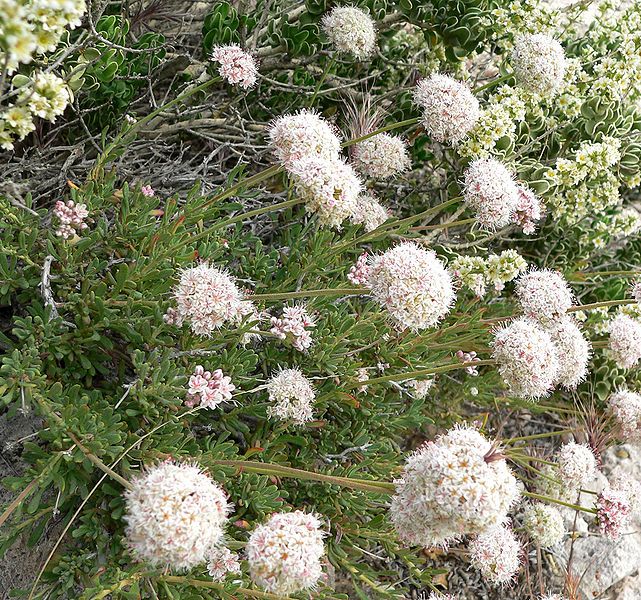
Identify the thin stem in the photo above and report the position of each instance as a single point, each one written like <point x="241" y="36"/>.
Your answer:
<point x="537" y="436"/>
<point x="603" y="304"/>
<point x="560" y="502"/>
<point x="328" y="66"/>
<point x="385" y="129"/>
<point x="380" y="487"/>
<point x="310" y="294"/>
<point x="492" y="83"/>
<point x="583" y="274"/>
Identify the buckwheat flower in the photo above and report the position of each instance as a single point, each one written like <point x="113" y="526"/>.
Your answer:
<point x="350" y="30"/>
<point x="613" y="511"/>
<point x="304" y="134"/>
<point x="625" y="341"/>
<point x="496" y="553"/>
<point x="285" y="553"/>
<point x="456" y="485"/>
<point x="382" y="156"/>
<point x="222" y="561"/>
<point x="527" y="358"/>
<point x="208" y="389"/>
<point x="626" y="408"/>
<point x="544" y="524"/>
<point x="71" y="218"/>
<point x="292" y="397"/>
<point x="489" y="189"/>
<point x="413" y="285"/>
<point x="175" y="515"/>
<point x="577" y="465"/>
<point x="293" y="327"/>
<point x="369" y="212"/>
<point x="450" y="110"/>
<point x="544" y="295"/>
<point x="528" y="211"/>
<point x="359" y="272"/>
<point x="207" y="297"/>
<point x="420" y="387"/>
<point x="147" y="191"/>
<point x="236" y="66"/>
<point x="635" y="291"/>
<point x="574" y="352"/>
<point x="435" y="596"/>
<point x="329" y="188"/>
<point x="539" y="63"/>
<point x="47" y="97"/>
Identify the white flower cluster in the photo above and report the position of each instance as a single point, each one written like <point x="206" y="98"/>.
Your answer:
<point x="609" y="228"/>
<point x="574" y="352"/>
<point x="477" y="273"/>
<point x="369" y="212"/>
<point x="71" y="218"/>
<point x="284" y="554"/>
<point x="626" y="408"/>
<point x="294" y="327"/>
<point x="450" y="109"/>
<point x="292" y="397"/>
<point x="539" y="63"/>
<point x="577" y="465"/>
<point x="221" y="562"/>
<point x="412" y="284"/>
<point x="381" y="156"/>
<point x="236" y="66"/>
<point x="497" y="554"/>
<point x="544" y="524"/>
<point x="625" y="340"/>
<point x="454" y="486"/>
<point x="350" y="30"/>
<point x="175" y="515"/>
<point x="544" y="295"/>
<point x="420" y="387"/>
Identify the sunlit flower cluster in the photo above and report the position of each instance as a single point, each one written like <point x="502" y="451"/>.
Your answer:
<point x="544" y="524"/>
<point x="539" y="63"/>
<point x="574" y="352"/>
<point x="613" y="511"/>
<point x="291" y="396"/>
<point x="477" y="272"/>
<point x="451" y="487"/>
<point x="221" y="562"/>
<point x="237" y="67"/>
<point x="285" y="553"/>
<point x="294" y="327"/>
<point x="497" y="554"/>
<point x="625" y="406"/>
<point x="412" y="284"/>
<point x="71" y="218"/>
<point x="577" y="465"/>
<point x="350" y="30"/>
<point x="529" y="210"/>
<point x="208" y="389"/>
<point x="175" y="515"/>
<point x="369" y="212"/>
<point x="544" y="295"/>
<point x="381" y="156"/>
<point x="625" y="341"/>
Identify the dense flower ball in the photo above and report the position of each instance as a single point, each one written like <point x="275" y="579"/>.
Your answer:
<point x="284" y="554"/>
<point x="369" y="212"/>
<point x="496" y="553"/>
<point x="625" y="341"/>
<point x="577" y="465"/>
<point x="539" y="63"/>
<point x="453" y="486"/>
<point x="330" y="188"/>
<point x="544" y="295"/>
<point x="450" y="110"/>
<point x="489" y="189"/>
<point x="544" y="524"/>
<point x="208" y="389"/>
<point x="304" y="134"/>
<point x="175" y="515"/>
<point x="529" y="210"/>
<point x="527" y="358"/>
<point x="350" y="30"/>
<point x="613" y="511"/>
<point x="206" y="297"/>
<point x="236" y="66"/>
<point x="381" y="156"/>
<point x="413" y="285"/>
<point x="573" y="351"/>
<point x="291" y="395"/>
<point x="626" y="408"/>
<point x="222" y="561"/>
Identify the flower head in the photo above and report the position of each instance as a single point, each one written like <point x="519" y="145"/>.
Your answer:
<point x="544" y="295"/>
<point x="496" y="553"/>
<point x="489" y="189"/>
<point x="381" y="156"/>
<point x="626" y="408"/>
<point x="450" y="110"/>
<point x="529" y="209"/>
<point x="412" y="284"/>
<point x="147" y="191"/>
<point x="453" y="486"/>
<point x="613" y="511"/>
<point x="304" y="134"/>
<point x="175" y="515"/>
<point x="236" y="66"/>
<point x="577" y="465"/>
<point x="71" y="217"/>
<point x="370" y="212"/>
<point x="293" y="327"/>
<point x="574" y="352"/>
<point x="359" y="272"/>
<point x="292" y="396"/>
<point x="284" y="554"/>
<point x="350" y="30"/>
<point x="329" y="188"/>
<point x="539" y="63"/>
<point x="625" y="341"/>
<point x="527" y="358"/>
<point x="207" y="297"/>
<point x="208" y="389"/>
<point x="544" y="524"/>
<point x="222" y="561"/>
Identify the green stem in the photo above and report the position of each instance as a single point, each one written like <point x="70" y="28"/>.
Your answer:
<point x="537" y="436"/>
<point x="380" y="487"/>
<point x="310" y="294"/>
<point x="582" y="274"/>
<point x="328" y="66"/>
<point x="385" y="129"/>
<point x="560" y="502"/>
<point x="492" y="83"/>
<point x="603" y="304"/>
<point x="422" y="372"/>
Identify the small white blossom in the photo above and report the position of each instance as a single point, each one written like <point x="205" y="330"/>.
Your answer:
<point x="625" y="341"/>
<point x="381" y="156"/>
<point x="236" y="66"/>
<point x="292" y="396"/>
<point x="350" y="30"/>
<point x="497" y="554"/>
<point x="577" y="465"/>
<point x="539" y="63"/>
<point x="626" y="408"/>
<point x="573" y="351"/>
<point x="544" y="524"/>
<point x="222" y="561"/>
<point x="369" y="212"/>
<point x="544" y="295"/>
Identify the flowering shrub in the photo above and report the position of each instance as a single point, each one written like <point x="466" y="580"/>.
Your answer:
<point x="312" y="299"/>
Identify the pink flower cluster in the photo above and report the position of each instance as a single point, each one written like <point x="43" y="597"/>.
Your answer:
<point x="236" y="66"/>
<point x="528" y="210"/>
<point x="359" y="273"/>
<point x="221" y="562"/>
<point x="71" y="216"/>
<point x="465" y="357"/>
<point x="208" y="389"/>
<point x="147" y="191"/>
<point x="292" y="327"/>
<point x="613" y="506"/>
